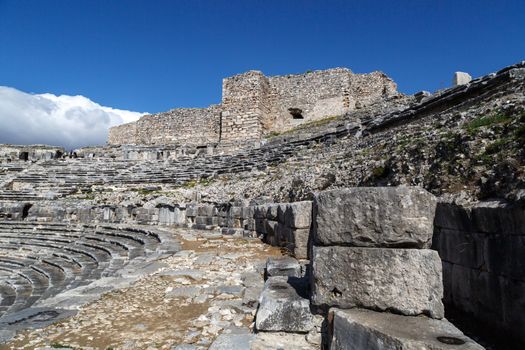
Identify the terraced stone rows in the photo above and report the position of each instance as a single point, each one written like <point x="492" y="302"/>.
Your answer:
<point x="63" y="178"/>
<point x="38" y="261"/>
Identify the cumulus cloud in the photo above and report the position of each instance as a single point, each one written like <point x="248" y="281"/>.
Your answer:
<point x="68" y="121"/>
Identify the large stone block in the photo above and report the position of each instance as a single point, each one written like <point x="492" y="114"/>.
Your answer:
<point x="283" y="307"/>
<point x="359" y="329"/>
<point x="375" y="217"/>
<point x="461" y="78"/>
<point x="300" y="242"/>
<point x="407" y="281"/>
<point x="298" y="214"/>
<point x="283" y="266"/>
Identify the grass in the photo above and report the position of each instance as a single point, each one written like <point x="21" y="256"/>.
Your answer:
<point x="379" y="172"/>
<point x="496" y="146"/>
<point x="490" y="120"/>
<point x="519" y="134"/>
<point x="310" y="124"/>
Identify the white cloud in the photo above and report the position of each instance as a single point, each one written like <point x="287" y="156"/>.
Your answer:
<point x="68" y="121"/>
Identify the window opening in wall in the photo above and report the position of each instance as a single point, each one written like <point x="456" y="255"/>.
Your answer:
<point x="24" y="156"/>
<point x="296" y="113"/>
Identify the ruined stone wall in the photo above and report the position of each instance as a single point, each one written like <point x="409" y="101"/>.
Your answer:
<point x="482" y="250"/>
<point x="321" y="94"/>
<point x="187" y="126"/>
<point x="317" y="94"/>
<point x="125" y="134"/>
<point x="30" y="152"/>
<point x="244" y="106"/>
<point x="254" y="105"/>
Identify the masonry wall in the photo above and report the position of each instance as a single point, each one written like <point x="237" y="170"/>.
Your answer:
<point x="33" y="152"/>
<point x="254" y="105"/>
<point x="483" y="250"/>
<point x="244" y="106"/>
<point x="187" y="126"/>
<point x="317" y="94"/>
<point x="125" y="134"/>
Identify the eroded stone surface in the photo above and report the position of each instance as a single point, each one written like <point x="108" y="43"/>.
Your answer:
<point x="375" y="217"/>
<point x="283" y="266"/>
<point x="359" y="329"/>
<point x="284" y="306"/>
<point x="407" y="281"/>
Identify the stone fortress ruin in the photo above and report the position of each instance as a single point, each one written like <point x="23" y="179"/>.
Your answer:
<point x="254" y="105"/>
<point x="322" y="210"/>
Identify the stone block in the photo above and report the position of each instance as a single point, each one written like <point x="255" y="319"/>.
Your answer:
<point x="259" y="212"/>
<point x="232" y="342"/>
<point x="236" y="212"/>
<point x="191" y="210"/>
<point x="247" y="212"/>
<point x="375" y="217"/>
<point x="283" y="234"/>
<point x="254" y="283"/>
<point x="272" y="212"/>
<point x="459" y="247"/>
<point x="206" y="210"/>
<point x="283" y="266"/>
<point x="359" y="329"/>
<point x="282" y="308"/>
<point x="300" y="242"/>
<point x="299" y="214"/>
<point x="407" y="281"/>
<point x="461" y="78"/>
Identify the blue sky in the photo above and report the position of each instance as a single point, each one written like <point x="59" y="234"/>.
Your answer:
<point x="71" y="69"/>
<point x="155" y="55"/>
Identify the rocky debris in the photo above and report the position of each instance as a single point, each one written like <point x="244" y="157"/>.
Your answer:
<point x="406" y="281"/>
<point x="359" y="329"/>
<point x="375" y="217"/>
<point x="284" y="306"/>
<point x="283" y="266"/>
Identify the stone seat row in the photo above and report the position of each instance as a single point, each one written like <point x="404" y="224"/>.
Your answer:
<point x="59" y="178"/>
<point x="38" y="261"/>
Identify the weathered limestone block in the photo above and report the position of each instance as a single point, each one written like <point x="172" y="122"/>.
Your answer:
<point x="254" y="284"/>
<point x="461" y="78"/>
<point x="300" y="242"/>
<point x="407" y="281"/>
<point x="272" y="212"/>
<point x="282" y="308"/>
<point x="206" y="210"/>
<point x="298" y="214"/>
<point x="359" y="329"/>
<point x="375" y="217"/>
<point x="283" y="266"/>
<point x="191" y="210"/>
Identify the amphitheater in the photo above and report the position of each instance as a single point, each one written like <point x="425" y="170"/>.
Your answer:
<point x="323" y="210"/>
